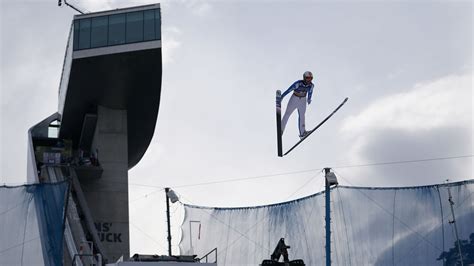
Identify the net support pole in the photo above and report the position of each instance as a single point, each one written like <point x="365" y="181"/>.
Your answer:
<point x="328" y="217"/>
<point x="168" y="220"/>
<point x="453" y="222"/>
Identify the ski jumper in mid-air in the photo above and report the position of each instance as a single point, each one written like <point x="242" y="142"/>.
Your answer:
<point x="302" y="92"/>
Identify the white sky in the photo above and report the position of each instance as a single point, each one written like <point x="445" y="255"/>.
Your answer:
<point x="406" y="67"/>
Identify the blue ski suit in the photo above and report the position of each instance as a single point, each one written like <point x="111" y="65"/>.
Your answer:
<point x="298" y="101"/>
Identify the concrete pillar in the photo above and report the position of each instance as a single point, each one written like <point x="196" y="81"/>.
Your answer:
<point x="107" y="196"/>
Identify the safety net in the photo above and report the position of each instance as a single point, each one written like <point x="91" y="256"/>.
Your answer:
<point x="31" y="224"/>
<point x="369" y="226"/>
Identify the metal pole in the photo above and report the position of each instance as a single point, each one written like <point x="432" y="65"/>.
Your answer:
<point x="168" y="220"/>
<point x="278" y="120"/>
<point x="451" y="203"/>
<point x="69" y="5"/>
<point x="328" y="218"/>
<point x="191" y="238"/>
<point x="191" y="235"/>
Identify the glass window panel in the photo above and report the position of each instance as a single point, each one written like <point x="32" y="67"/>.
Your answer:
<point x="116" y="29"/>
<point x="134" y="27"/>
<point x="99" y="31"/>
<point x="149" y="25"/>
<point x="53" y="132"/>
<point x="157" y="24"/>
<point x="85" y="33"/>
<point x="76" y="35"/>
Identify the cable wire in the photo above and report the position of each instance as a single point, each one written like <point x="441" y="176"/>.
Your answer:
<point x="229" y="226"/>
<point x="247" y="178"/>
<point x="265" y="216"/>
<point x="251" y="227"/>
<point x="442" y="219"/>
<point x="146" y="195"/>
<point x="19" y="244"/>
<point x="341" y="206"/>
<point x="316" y="169"/>
<point x="406" y="161"/>
<point x="293" y="172"/>
<point x="391" y="214"/>
<point x="147" y="235"/>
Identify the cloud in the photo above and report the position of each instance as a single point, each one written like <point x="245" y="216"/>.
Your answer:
<point x="429" y="105"/>
<point x="430" y="120"/>
<point x="198" y="7"/>
<point x="170" y="43"/>
<point x="202" y="9"/>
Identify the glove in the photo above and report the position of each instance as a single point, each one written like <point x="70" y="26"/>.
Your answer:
<point x="309" y="101"/>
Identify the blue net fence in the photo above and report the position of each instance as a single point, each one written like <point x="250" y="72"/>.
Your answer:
<point x="370" y="226"/>
<point x="31" y="224"/>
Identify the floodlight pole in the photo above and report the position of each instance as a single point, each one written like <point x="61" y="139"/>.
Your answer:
<point x="328" y="217"/>
<point x="168" y="219"/>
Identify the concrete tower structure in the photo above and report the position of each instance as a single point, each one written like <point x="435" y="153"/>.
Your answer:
<point x="109" y="98"/>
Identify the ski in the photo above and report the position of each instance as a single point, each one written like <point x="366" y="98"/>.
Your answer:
<point x="278" y="120"/>
<point x="314" y="129"/>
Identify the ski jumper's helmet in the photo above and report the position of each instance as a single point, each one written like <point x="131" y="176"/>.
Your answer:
<point x="307" y="74"/>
